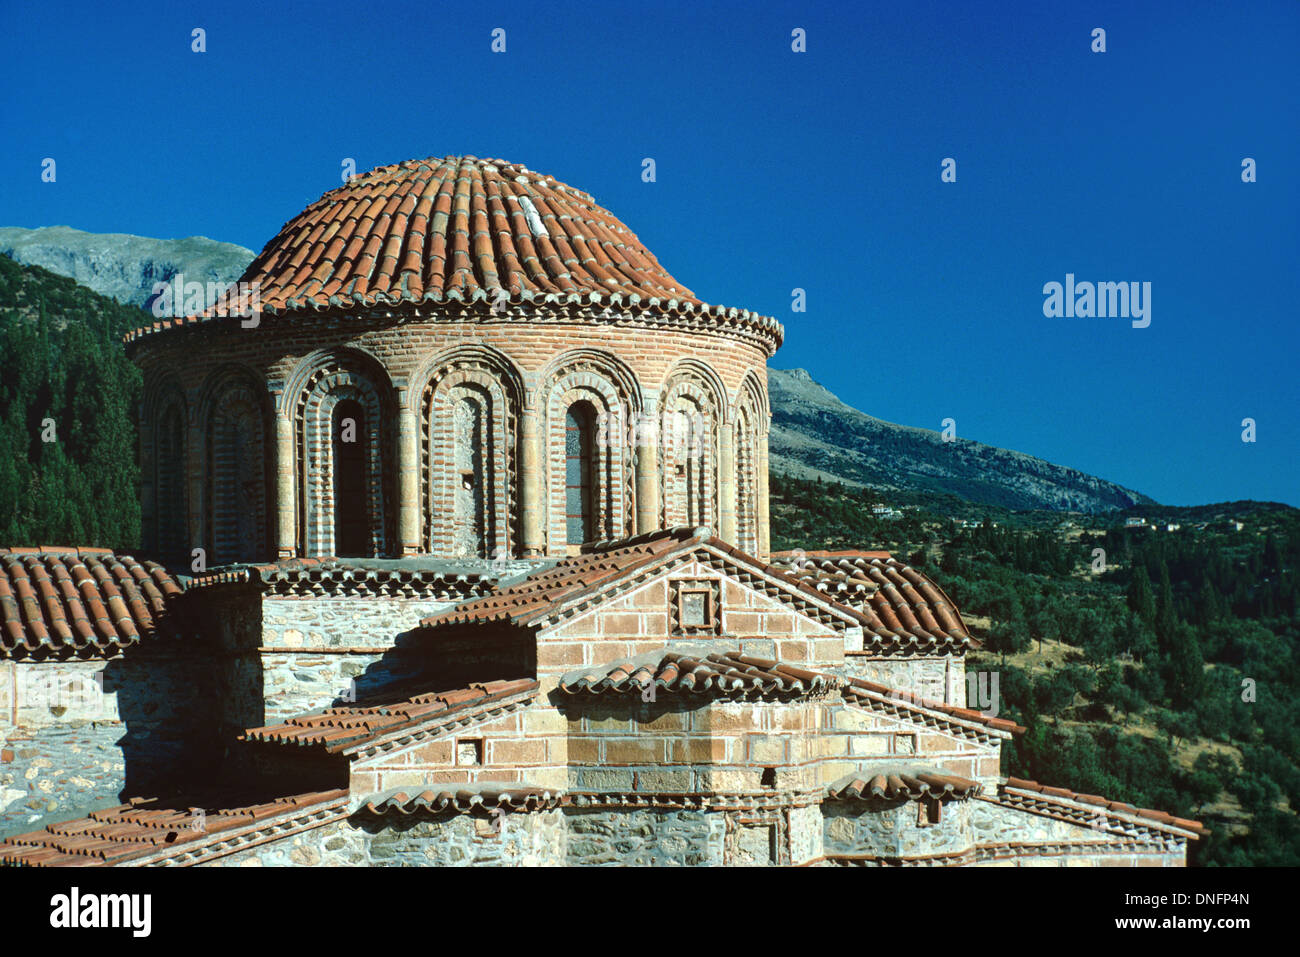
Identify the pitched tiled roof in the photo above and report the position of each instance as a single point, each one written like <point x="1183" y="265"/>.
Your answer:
<point x="895" y="784"/>
<point x="148" y="827"/>
<point x="1018" y="787"/>
<point x="582" y="576"/>
<point x="538" y="594"/>
<point x="869" y="690"/>
<point x="463" y="229"/>
<point x="730" y="675"/>
<point x="344" y="729"/>
<point x="505" y="797"/>
<point x="77" y="601"/>
<point x="906" y="612"/>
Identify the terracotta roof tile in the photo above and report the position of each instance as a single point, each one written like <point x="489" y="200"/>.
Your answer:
<point x="860" y="687"/>
<point x="895" y="784"/>
<point x="729" y="675"/>
<point x="464" y="229"/>
<point x="1013" y="785"/>
<point x="67" y="600"/>
<point x="906" y="612"/>
<point x="600" y="564"/>
<point x="341" y="729"/>
<point x="487" y="798"/>
<point x="144" y="827"/>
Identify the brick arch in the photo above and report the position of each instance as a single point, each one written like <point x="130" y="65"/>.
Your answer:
<point x="753" y="387"/>
<point x="469" y="425"/>
<point x="331" y="379"/>
<point x="167" y="524"/>
<point x="234" y="420"/>
<point x="751" y="429"/>
<point x="703" y="376"/>
<point x="612" y="390"/>
<point x="691" y="411"/>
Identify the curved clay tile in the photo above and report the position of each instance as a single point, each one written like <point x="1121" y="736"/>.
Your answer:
<point x="460" y="228"/>
<point x="55" y="601"/>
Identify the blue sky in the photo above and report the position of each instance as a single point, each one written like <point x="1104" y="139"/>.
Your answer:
<point x="776" y="170"/>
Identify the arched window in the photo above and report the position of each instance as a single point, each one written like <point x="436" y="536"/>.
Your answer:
<point x="170" y="506"/>
<point x="579" y="455"/>
<point x="351" y="516"/>
<point x="747" y="480"/>
<point x="687" y="454"/>
<point x="344" y="422"/>
<point x="236" y="478"/>
<point x="469" y="428"/>
<point x="469" y="483"/>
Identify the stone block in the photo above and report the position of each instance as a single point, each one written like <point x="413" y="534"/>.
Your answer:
<point x="698" y="750"/>
<point x="766" y="749"/>
<point x="508" y="752"/>
<point x="584" y="750"/>
<point x="543" y="720"/>
<point x="605" y="779"/>
<point x="660" y="779"/>
<point x="435" y="752"/>
<point x="668" y="721"/>
<point x="870" y="744"/>
<point x="621" y="624"/>
<point x="634" y="751"/>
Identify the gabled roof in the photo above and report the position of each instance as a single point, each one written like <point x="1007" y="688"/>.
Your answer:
<point x="1032" y="796"/>
<point x="869" y="692"/>
<point x="906" y="612"/>
<point x="578" y="579"/>
<point x="148" y="827"/>
<point x="902" y="784"/>
<point x="350" y="729"/>
<point x="58" y="601"/>
<point x="728" y="675"/>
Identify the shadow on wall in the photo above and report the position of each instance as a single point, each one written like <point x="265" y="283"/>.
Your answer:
<point x="170" y="712"/>
<point x="423" y="661"/>
<point x="184" y="695"/>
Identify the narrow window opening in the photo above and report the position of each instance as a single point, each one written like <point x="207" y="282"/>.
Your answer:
<point x="351" y="518"/>
<point x="579" y="450"/>
<point x="768" y="780"/>
<point x="928" y="813"/>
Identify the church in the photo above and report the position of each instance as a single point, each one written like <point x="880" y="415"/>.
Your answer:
<point x="459" y="554"/>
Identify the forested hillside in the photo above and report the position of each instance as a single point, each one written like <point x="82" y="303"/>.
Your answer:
<point x="816" y="435"/>
<point x="68" y="401"/>
<point x="1161" y="671"/>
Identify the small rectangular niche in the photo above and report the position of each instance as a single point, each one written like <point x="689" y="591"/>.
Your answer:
<point x="469" y="752"/>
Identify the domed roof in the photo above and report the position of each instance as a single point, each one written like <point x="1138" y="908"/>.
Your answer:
<point x="463" y="229"/>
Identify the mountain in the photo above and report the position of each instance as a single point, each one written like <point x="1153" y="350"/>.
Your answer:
<point x="121" y="266"/>
<point x="815" y="434"/>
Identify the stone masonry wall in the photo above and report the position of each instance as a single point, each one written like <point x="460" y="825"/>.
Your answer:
<point x="77" y="734"/>
<point x="1016" y="838"/>
<point x="314" y="648"/>
<point x="854" y="830"/>
<point x="855" y="738"/>
<point x="512" y="840"/>
<point x="645" y="838"/>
